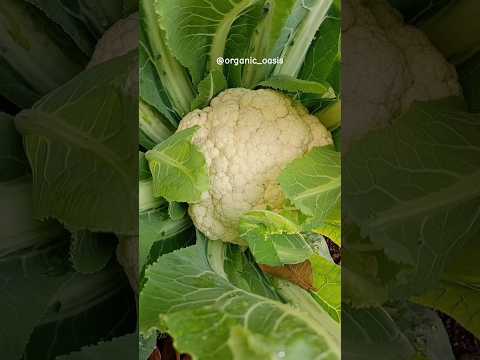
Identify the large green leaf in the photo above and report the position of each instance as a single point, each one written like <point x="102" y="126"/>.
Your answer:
<point x="327" y="285"/>
<point x="39" y="271"/>
<point x="81" y="144"/>
<point x="413" y="189"/>
<point x="312" y="183"/>
<point x="273" y="239"/>
<point x="103" y="299"/>
<point x="458" y="293"/>
<point x="200" y="307"/>
<point x="179" y="169"/>
<point x="372" y="334"/>
<point x="197" y="30"/>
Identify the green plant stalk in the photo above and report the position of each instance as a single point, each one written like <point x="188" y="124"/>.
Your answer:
<point x="173" y="76"/>
<point x="454" y="30"/>
<point x="24" y="46"/>
<point x="304" y="302"/>
<point x="331" y="117"/>
<point x="216" y="256"/>
<point x="220" y="39"/>
<point x="83" y="292"/>
<point x="146" y="200"/>
<point x="297" y="49"/>
<point x="152" y="124"/>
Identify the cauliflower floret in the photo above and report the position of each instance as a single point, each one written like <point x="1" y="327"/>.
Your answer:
<point x="387" y="65"/>
<point x="247" y="138"/>
<point x="118" y="40"/>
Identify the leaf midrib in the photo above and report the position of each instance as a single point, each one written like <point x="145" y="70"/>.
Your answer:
<point x="465" y="189"/>
<point x="52" y="127"/>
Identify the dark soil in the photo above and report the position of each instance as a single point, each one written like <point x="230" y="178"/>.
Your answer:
<point x="465" y="346"/>
<point x="166" y="351"/>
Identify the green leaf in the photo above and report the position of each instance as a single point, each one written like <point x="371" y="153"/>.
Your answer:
<point x="72" y="25"/>
<point x="55" y="61"/>
<point x="331" y="116"/>
<point x="179" y="169"/>
<point x="151" y="88"/>
<point x="124" y="347"/>
<point x="469" y="76"/>
<point x="312" y="183"/>
<point x="297" y="47"/>
<point x="158" y="63"/>
<point x="269" y="38"/>
<point x="239" y="42"/>
<point x="146" y="200"/>
<point x="424" y="329"/>
<point x="197" y="41"/>
<point x="177" y="211"/>
<point x="290" y="84"/>
<point x="200" y="307"/>
<point x="19" y="230"/>
<point x="459" y="45"/>
<point x="243" y="272"/>
<point x="208" y="88"/>
<point x="329" y="226"/>
<point x="245" y="345"/>
<point x="371" y="333"/>
<point x="146" y="346"/>
<point x="143" y="169"/>
<point x="98" y="15"/>
<point x="327" y="285"/>
<point x="90" y="252"/>
<point x="156" y="226"/>
<point x="324" y="50"/>
<point x="13" y="162"/>
<point x="273" y="239"/>
<point x="103" y="299"/>
<point x="14" y="88"/>
<point x="418" y="209"/>
<point x="154" y="128"/>
<point x="458" y="293"/>
<point x="81" y="150"/>
<point x="39" y="271"/>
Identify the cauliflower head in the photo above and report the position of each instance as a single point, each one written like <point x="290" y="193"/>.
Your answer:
<point x="387" y="65"/>
<point x="247" y="137"/>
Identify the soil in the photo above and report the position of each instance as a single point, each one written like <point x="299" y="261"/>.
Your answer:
<point x="465" y="346"/>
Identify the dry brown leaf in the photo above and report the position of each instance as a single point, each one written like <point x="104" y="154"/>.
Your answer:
<point x="300" y="274"/>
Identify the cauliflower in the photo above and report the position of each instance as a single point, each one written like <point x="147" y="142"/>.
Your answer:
<point x="247" y="138"/>
<point x="387" y="65"/>
<point x="118" y="40"/>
